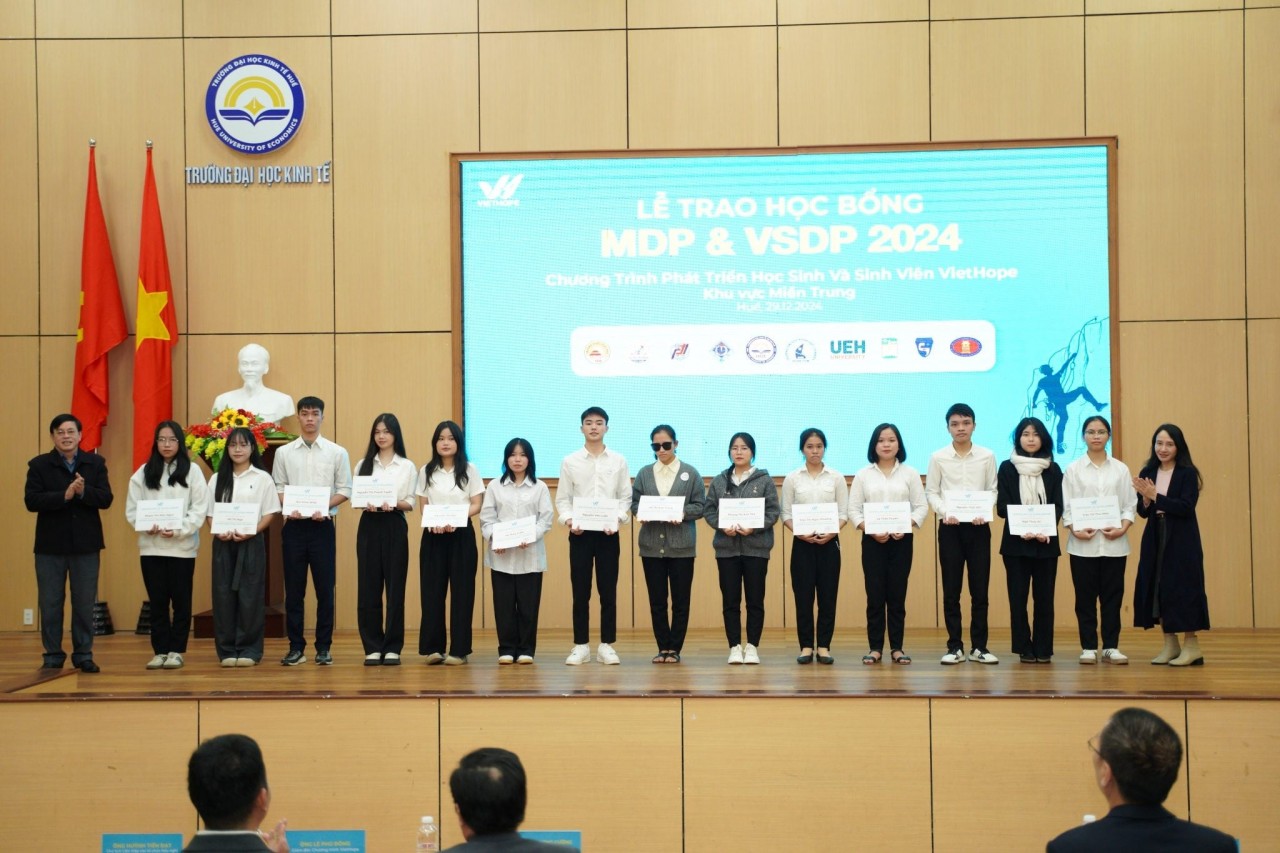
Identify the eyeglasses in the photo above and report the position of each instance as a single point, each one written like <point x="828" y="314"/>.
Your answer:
<point x="662" y="445"/>
<point x="167" y="439"/>
<point x="1093" y="745"/>
<point x="1096" y="432"/>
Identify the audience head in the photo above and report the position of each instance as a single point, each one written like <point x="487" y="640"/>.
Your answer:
<point x="227" y="783"/>
<point x="1138" y="756"/>
<point x="489" y="791"/>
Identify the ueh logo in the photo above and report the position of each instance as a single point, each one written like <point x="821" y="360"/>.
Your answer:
<point x="500" y="193"/>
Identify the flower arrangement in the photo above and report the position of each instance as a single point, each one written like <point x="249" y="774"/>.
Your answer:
<point x="209" y="440"/>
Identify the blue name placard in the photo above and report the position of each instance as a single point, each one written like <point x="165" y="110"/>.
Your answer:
<point x="566" y="837"/>
<point x="327" y="840"/>
<point x="141" y="842"/>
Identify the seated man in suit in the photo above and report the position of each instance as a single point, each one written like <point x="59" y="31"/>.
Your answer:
<point x="489" y="795"/>
<point x="227" y="783"/>
<point x="1135" y="761"/>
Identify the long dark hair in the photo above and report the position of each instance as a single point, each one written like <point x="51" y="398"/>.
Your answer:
<point x="1183" y="457"/>
<point x="154" y="468"/>
<point x="1046" y="440"/>
<point x="523" y="444"/>
<point x="459" y="458"/>
<point x="224" y="486"/>
<point x="392" y="423"/>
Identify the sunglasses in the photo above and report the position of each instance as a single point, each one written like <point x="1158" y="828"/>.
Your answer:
<point x="662" y="445"/>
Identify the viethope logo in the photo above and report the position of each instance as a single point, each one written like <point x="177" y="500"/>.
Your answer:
<point x="501" y="192"/>
<point x="966" y="347"/>
<point x="254" y="104"/>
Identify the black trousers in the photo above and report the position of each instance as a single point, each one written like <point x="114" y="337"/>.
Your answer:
<point x="168" y="581"/>
<point x="447" y="568"/>
<point x="885" y="569"/>
<point x="958" y="545"/>
<point x="382" y="568"/>
<point x="1037" y="576"/>
<point x="815" y="576"/>
<point x="736" y="575"/>
<point x="309" y="543"/>
<point x="659" y="574"/>
<point x="239" y="607"/>
<point x="594" y="547"/>
<point x="516" y="599"/>
<point x="1098" y="581"/>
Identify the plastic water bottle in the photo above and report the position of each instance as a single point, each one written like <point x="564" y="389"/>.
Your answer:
<point x="428" y="835"/>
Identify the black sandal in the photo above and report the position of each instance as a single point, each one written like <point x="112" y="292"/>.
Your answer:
<point x="898" y="657"/>
<point x="871" y="657"/>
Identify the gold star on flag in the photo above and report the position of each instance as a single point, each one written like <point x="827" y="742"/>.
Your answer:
<point x="150" y="307"/>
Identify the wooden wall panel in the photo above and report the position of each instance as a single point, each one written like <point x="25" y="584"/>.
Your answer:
<point x="644" y="14"/>
<point x="1169" y="86"/>
<point x="80" y="780"/>
<point x="1262" y="169"/>
<point x="1264" y="462"/>
<point x="817" y="780"/>
<point x="1129" y="7"/>
<point x="19" y="236"/>
<point x="261" y="258"/>
<point x="553" y="91"/>
<point x="991" y="741"/>
<point x="247" y="18"/>
<point x="108" y="19"/>
<point x="357" y="17"/>
<point x="1007" y="79"/>
<point x="942" y="10"/>
<point x="352" y="763"/>
<point x="703" y="88"/>
<point x="582" y="758"/>
<point x="850" y="11"/>
<point x="18" y="585"/>
<point x="517" y="15"/>
<point x="853" y="84"/>
<point x="1165" y="361"/>
<point x="18" y="20"/>
<point x="1233" y="752"/>
<point x="392" y="269"/>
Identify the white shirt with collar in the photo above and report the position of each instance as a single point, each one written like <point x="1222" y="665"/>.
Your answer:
<point x="251" y="486"/>
<point x="1083" y="479"/>
<point x="949" y="471"/>
<point x="871" y="485"/>
<point x="321" y="463"/>
<point x="400" y="471"/>
<point x="195" y="497"/>
<point x="585" y="475"/>
<point x="507" y="502"/>
<point x="443" y="488"/>
<point x="664" y="476"/>
<point x="801" y="487"/>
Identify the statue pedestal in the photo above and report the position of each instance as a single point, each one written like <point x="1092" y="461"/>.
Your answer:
<point x="273" y="590"/>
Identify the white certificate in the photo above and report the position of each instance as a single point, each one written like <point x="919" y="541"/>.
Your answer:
<point x="966" y="506"/>
<point x="808" y="519"/>
<point x="370" y="491"/>
<point x="235" y="518"/>
<point x="747" y="513"/>
<point x="446" y="515"/>
<point x="1095" y="513"/>
<point x="1036" y="519"/>
<point x="306" y="500"/>
<point x="166" y="514"/>
<point x="595" y="513"/>
<point x="513" y="534"/>
<point x="891" y="517"/>
<point x="658" y="508"/>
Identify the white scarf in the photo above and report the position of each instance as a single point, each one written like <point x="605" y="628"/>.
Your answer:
<point x="1030" y="483"/>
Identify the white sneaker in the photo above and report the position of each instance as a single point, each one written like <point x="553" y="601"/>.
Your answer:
<point x="1089" y="656"/>
<point x="579" y="656"/>
<point x="1114" y="656"/>
<point x="982" y="656"/>
<point x="246" y="662"/>
<point x="174" y="661"/>
<point x="735" y="655"/>
<point x="953" y="657"/>
<point x="157" y="661"/>
<point x="606" y="655"/>
<point x="750" y="655"/>
<point x="228" y="662"/>
<point x="505" y="660"/>
<point x="524" y="660"/>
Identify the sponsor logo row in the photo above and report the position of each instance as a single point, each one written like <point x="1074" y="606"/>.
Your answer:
<point x="762" y="349"/>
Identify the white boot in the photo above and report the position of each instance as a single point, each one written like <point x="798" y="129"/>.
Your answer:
<point x="1191" y="655"/>
<point x="1169" y="652"/>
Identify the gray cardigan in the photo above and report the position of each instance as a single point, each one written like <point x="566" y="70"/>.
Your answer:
<point x="670" y="540"/>
<point x="758" y="485"/>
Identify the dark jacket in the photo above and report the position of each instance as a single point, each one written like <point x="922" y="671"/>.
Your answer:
<point x="758" y="485"/>
<point x="510" y="842"/>
<point x="1178" y="583"/>
<point x="1150" y="829"/>
<point x="1008" y="492"/>
<point x="670" y="540"/>
<point x="67" y="526"/>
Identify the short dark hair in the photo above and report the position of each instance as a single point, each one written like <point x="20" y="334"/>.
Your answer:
<point x="59" y="420"/>
<point x="224" y="776"/>
<point x="310" y="402"/>
<point x="746" y="439"/>
<point x="490" y="790"/>
<point x="1046" y="440"/>
<point x="810" y="433"/>
<point x="964" y="410"/>
<point x="875" y="439"/>
<point x="1092" y="418"/>
<point x="597" y="412"/>
<point x="667" y="428"/>
<point x="531" y="472"/>
<point x="1144" y="753"/>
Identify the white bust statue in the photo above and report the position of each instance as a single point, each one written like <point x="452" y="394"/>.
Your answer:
<point x="254" y="363"/>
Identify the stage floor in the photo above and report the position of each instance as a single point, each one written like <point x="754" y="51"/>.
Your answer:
<point x="1240" y="664"/>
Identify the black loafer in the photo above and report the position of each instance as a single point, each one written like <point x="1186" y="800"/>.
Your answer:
<point x="804" y="659"/>
<point x="827" y="659"/>
<point x="51" y="665"/>
<point x="87" y="666"/>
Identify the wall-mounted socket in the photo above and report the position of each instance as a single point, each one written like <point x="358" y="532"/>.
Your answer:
<point x="28" y="617"/>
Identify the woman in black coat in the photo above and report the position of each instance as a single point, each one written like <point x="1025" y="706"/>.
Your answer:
<point x="1170" y="587"/>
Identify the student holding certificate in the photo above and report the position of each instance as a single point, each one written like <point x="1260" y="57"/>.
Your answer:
<point x="667" y="546"/>
<point x="1098" y="509"/>
<point x="1170" y="587"/>
<point x="517" y="500"/>
<point x="168" y="549"/>
<point x="1030" y="477"/>
<point x="880" y="492"/>
<point x="240" y="556"/>
<point x="382" y="541"/>
<point x="448" y="557"/>
<point x="815" y="549"/>
<point x="742" y="547"/>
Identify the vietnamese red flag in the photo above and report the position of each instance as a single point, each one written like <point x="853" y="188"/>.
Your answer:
<point x="156" y="329"/>
<point x="101" y="325"/>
